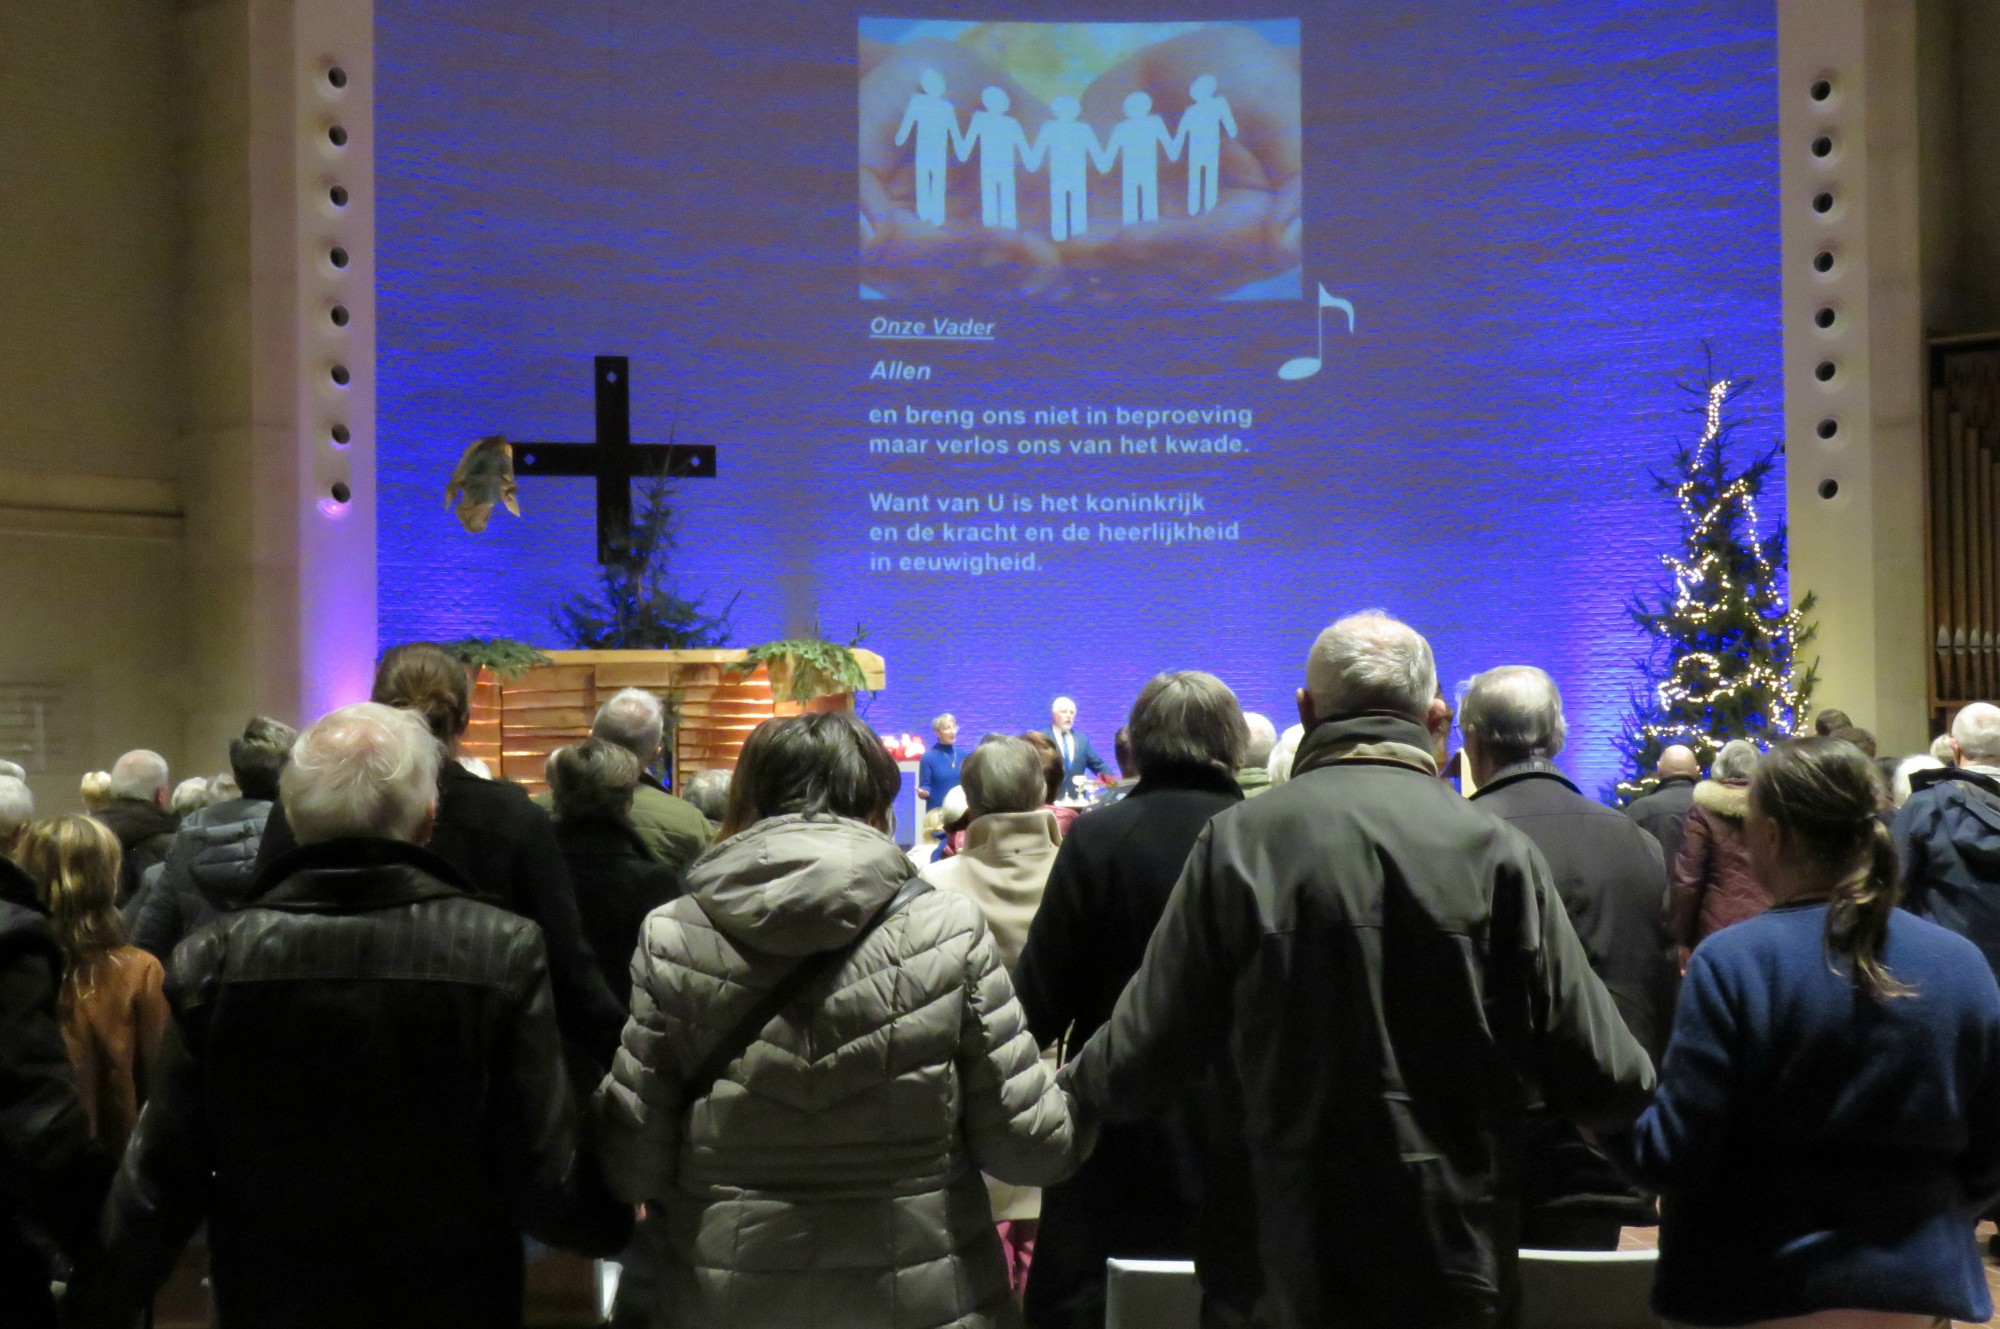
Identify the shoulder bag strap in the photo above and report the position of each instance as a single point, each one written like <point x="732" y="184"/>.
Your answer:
<point x="807" y="972"/>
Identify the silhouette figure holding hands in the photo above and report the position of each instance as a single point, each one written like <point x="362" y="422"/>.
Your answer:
<point x="998" y="136"/>
<point x="1201" y="129"/>
<point x="1070" y="146"/>
<point x="1136" y="141"/>
<point x="936" y="123"/>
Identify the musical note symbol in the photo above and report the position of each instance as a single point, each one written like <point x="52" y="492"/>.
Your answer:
<point x="1305" y="366"/>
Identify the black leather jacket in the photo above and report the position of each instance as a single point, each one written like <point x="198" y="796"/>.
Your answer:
<point x="366" y="1101"/>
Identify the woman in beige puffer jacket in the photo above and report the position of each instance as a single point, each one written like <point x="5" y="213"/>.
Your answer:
<point x="830" y="1177"/>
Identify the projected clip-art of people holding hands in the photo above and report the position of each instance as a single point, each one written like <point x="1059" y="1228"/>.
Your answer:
<point x="936" y="126"/>
<point x="998" y="137"/>
<point x="1201" y="129"/>
<point x="1223" y="99"/>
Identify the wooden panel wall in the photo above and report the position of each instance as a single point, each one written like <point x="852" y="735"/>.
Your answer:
<point x="1964" y="524"/>
<point x="517" y="723"/>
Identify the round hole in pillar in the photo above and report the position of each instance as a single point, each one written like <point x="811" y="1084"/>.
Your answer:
<point x="1824" y="371"/>
<point x="337" y="196"/>
<point x="1829" y="427"/>
<point x="1823" y="261"/>
<point x="1825" y="317"/>
<point x="342" y="494"/>
<point x="340" y="435"/>
<point x="337" y="256"/>
<point x="1821" y="89"/>
<point x="339" y="315"/>
<point x="336" y="77"/>
<point x="337" y="136"/>
<point x="1822" y="146"/>
<point x="339" y="375"/>
<point x="1823" y="202"/>
<point x="1829" y="487"/>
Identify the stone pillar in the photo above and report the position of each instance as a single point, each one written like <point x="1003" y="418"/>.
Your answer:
<point x="1847" y="124"/>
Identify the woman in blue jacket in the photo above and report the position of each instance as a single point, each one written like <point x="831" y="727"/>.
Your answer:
<point x="1827" y="1124"/>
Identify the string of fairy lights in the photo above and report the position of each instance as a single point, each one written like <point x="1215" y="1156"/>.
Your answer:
<point x="1702" y="678"/>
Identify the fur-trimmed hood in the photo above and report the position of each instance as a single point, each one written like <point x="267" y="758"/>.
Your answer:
<point x="1724" y="799"/>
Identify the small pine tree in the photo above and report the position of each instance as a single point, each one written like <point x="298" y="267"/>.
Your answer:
<point x="634" y="606"/>
<point x="1723" y="660"/>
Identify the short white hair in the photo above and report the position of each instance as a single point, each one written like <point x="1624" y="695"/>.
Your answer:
<point x="17" y="805"/>
<point x="1371" y="662"/>
<point x="633" y="719"/>
<point x="1263" y="737"/>
<point x="1942" y="751"/>
<point x="364" y="770"/>
<point x="139" y="774"/>
<point x="1061" y="702"/>
<point x="1284" y="752"/>
<point x="1976" y="730"/>
<point x="1737" y="760"/>
<point x="1899" y="785"/>
<point x="941" y="721"/>
<point x="1516" y="712"/>
<point x="190" y="795"/>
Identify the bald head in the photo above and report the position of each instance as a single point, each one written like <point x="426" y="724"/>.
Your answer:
<point x="1371" y="662"/>
<point x="1975" y="732"/>
<point x="1678" y="761"/>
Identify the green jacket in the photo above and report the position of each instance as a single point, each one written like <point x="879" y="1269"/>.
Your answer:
<point x="673" y="831"/>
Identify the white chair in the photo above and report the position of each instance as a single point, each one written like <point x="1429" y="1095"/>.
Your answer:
<point x="1151" y="1294"/>
<point x="1588" y="1289"/>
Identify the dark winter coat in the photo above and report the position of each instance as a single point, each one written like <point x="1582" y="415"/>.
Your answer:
<point x="1815" y="1150"/>
<point x="52" y="1178"/>
<point x="506" y="848"/>
<point x="1139" y="1194"/>
<point x="1611" y="879"/>
<point x="145" y="832"/>
<point x="1713" y="883"/>
<point x="207" y="872"/>
<point x="617" y="884"/>
<point x="366" y="1103"/>
<point x="1389" y="970"/>
<point x="1663" y="813"/>
<point x="1948" y="842"/>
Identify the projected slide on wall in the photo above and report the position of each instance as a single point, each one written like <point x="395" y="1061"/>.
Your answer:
<point x="1053" y="345"/>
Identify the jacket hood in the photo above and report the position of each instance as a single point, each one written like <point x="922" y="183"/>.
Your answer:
<point x="798" y="885"/>
<point x="1536" y="769"/>
<point x="353" y="875"/>
<point x="1372" y="738"/>
<point x="1728" y="800"/>
<point x="220" y="844"/>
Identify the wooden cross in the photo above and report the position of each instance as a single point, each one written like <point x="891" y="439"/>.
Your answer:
<point x="614" y="460"/>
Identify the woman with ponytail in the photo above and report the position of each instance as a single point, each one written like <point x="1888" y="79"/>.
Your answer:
<point x="112" y="1004"/>
<point x="1827" y="1124"/>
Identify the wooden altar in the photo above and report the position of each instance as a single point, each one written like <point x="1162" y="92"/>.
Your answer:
<point x="712" y="707"/>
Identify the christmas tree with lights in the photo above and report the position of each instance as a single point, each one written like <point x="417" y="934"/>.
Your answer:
<point x="1723" y="639"/>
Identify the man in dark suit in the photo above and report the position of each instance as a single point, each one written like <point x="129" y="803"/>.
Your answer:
<point x="1663" y="813"/>
<point x="1077" y="754"/>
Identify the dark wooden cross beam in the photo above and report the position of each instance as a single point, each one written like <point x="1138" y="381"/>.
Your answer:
<point x="614" y="460"/>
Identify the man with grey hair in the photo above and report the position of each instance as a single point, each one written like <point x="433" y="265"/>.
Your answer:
<point x="1948" y="834"/>
<point x="17" y="808"/>
<point x="429" y="1096"/>
<point x="1392" y="976"/>
<point x="1253" y="777"/>
<point x="1611" y="878"/>
<point x="1079" y="757"/>
<point x="673" y="832"/>
<point x="138" y="815"/>
<point x="1106" y="892"/>
<point x="1662" y="811"/>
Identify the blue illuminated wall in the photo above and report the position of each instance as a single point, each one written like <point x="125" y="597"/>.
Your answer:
<point x="1540" y="212"/>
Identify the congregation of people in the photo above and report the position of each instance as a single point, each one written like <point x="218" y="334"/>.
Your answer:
<point x="1343" y="1014"/>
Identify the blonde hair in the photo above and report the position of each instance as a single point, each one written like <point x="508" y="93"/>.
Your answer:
<point x="96" y="790"/>
<point x="74" y="862"/>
